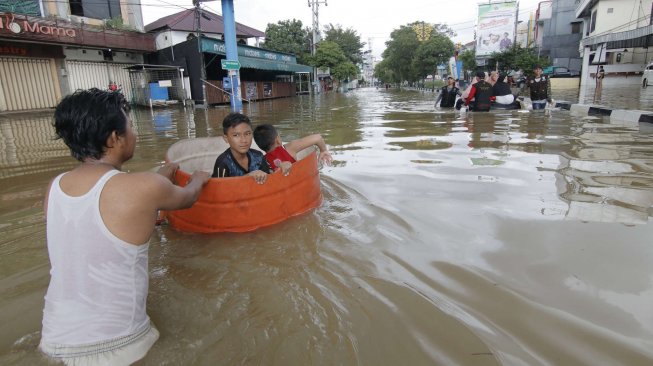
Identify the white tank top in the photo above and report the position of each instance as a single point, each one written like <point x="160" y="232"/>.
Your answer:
<point x="99" y="283"/>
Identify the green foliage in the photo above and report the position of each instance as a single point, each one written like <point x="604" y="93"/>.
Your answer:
<point x="344" y="71"/>
<point x="435" y="51"/>
<point x="289" y="36"/>
<point x="117" y="23"/>
<point x="468" y="58"/>
<point x="329" y="54"/>
<point x="399" y="53"/>
<point x="114" y="23"/>
<point x="410" y="59"/>
<point x="434" y="84"/>
<point x="517" y="57"/>
<point x="383" y="72"/>
<point x="348" y="40"/>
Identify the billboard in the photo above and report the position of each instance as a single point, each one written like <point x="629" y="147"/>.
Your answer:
<point x="495" y="31"/>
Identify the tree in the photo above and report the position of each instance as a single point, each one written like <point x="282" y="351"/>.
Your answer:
<point x="329" y="54"/>
<point x="383" y="72"/>
<point x="517" y="57"/>
<point x="348" y="40"/>
<point x="416" y="49"/>
<point x="468" y="58"/>
<point x="399" y="53"/>
<point x="289" y="36"/>
<point x="345" y="71"/>
<point x="431" y="53"/>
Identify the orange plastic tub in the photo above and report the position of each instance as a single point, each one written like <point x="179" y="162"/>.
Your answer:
<point x="239" y="204"/>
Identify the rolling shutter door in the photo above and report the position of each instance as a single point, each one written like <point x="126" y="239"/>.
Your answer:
<point x="86" y="75"/>
<point x="28" y="83"/>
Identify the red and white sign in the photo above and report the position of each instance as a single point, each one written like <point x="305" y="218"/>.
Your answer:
<point x="9" y="23"/>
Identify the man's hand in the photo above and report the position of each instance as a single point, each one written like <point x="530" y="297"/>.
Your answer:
<point x="168" y="170"/>
<point x="325" y="157"/>
<point x="285" y="167"/>
<point x="259" y="176"/>
<point x="200" y="176"/>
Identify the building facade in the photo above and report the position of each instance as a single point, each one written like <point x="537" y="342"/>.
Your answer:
<point x="617" y="34"/>
<point x="263" y="73"/>
<point x="559" y="32"/>
<point x="49" y="49"/>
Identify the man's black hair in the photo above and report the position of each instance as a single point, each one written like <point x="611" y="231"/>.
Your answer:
<point x="233" y="120"/>
<point x="264" y="136"/>
<point x="481" y="75"/>
<point x="85" y="119"/>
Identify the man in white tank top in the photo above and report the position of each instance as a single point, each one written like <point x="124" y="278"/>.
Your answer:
<point x="99" y="221"/>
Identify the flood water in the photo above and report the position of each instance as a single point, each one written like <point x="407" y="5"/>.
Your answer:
<point x="502" y="238"/>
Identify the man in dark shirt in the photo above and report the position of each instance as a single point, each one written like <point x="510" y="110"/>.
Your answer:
<point x="480" y="96"/>
<point x="239" y="159"/>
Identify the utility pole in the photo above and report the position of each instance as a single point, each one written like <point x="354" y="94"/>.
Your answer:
<point x="198" y="29"/>
<point x="231" y="47"/>
<point x="371" y="61"/>
<point x="315" y="9"/>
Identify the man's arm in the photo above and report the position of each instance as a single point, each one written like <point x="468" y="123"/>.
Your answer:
<point x="439" y="97"/>
<point x="130" y="202"/>
<point x="548" y="90"/>
<point x="298" y="145"/>
<point x="168" y="196"/>
<point x="472" y="92"/>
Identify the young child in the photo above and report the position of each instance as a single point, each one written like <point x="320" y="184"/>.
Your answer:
<point x="239" y="159"/>
<point x="281" y="156"/>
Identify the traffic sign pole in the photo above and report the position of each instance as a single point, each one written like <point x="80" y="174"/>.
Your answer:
<point x="232" y="52"/>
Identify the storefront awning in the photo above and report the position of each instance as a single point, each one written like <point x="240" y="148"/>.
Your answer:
<point x="639" y="37"/>
<point x="260" y="64"/>
<point x="257" y="58"/>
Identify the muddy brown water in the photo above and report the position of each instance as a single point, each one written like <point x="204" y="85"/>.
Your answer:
<point x="502" y="238"/>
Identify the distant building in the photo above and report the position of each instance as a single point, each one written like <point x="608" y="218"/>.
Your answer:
<point x="263" y="73"/>
<point x="177" y="28"/>
<point x="558" y="33"/>
<point x="51" y="48"/>
<point x="618" y="34"/>
<point x="524" y="36"/>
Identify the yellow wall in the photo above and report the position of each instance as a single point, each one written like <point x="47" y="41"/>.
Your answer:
<point x="565" y="83"/>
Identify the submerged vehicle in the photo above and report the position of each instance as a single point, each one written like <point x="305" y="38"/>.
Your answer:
<point x="239" y="204"/>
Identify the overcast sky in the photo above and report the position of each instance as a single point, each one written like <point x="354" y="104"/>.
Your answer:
<point x="372" y="19"/>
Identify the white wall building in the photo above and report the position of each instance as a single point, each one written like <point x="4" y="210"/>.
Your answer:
<point x="620" y="27"/>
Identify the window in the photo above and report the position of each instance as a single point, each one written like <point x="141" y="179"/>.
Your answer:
<point x="593" y="21"/>
<point x="76" y="8"/>
<point x="575" y="28"/>
<point x="95" y="9"/>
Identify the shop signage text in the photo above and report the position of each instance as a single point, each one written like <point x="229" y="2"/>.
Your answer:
<point x="8" y="23"/>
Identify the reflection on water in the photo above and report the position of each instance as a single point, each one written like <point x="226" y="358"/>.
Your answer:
<point x="494" y="238"/>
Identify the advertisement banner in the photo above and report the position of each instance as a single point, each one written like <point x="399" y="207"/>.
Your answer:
<point x="496" y="27"/>
<point x="453" y="68"/>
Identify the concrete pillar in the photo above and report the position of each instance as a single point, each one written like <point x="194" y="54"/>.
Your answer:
<point x="232" y="52"/>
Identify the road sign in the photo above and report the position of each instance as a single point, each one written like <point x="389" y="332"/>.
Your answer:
<point x="230" y="65"/>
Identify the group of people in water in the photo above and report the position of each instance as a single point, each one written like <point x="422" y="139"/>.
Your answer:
<point x="492" y="90"/>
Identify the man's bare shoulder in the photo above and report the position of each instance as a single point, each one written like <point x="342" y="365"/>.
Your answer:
<point x="141" y="181"/>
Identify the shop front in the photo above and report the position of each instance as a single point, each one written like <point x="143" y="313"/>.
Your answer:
<point x="28" y="76"/>
<point x="264" y="74"/>
<point x="42" y="59"/>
